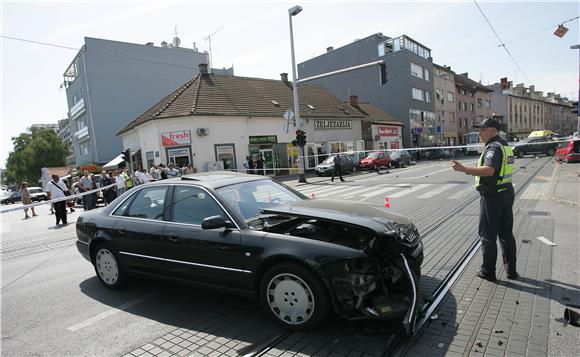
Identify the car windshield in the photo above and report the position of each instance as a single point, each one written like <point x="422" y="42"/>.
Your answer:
<point x="329" y="160"/>
<point x="373" y="155"/>
<point x="394" y="154"/>
<point x="249" y="198"/>
<point x="35" y="190"/>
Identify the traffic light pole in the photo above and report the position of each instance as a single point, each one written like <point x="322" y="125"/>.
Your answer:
<point x="301" y="158"/>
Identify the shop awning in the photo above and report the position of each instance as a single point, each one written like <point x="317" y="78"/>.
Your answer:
<point x="114" y="164"/>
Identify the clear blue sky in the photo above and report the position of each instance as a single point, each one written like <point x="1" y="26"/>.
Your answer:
<point x="255" y="39"/>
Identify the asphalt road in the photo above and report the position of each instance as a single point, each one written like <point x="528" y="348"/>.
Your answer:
<point x="52" y="303"/>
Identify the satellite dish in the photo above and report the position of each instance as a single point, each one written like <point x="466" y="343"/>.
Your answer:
<point x="176" y="41"/>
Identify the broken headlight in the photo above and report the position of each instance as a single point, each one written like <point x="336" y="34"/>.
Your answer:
<point x="406" y="233"/>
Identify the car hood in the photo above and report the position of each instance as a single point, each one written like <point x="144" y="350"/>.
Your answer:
<point x="324" y="165"/>
<point x="370" y="216"/>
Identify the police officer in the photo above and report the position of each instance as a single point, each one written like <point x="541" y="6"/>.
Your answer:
<point x="493" y="180"/>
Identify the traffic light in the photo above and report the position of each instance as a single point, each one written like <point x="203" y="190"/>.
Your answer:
<point x="300" y="138"/>
<point x="126" y="155"/>
<point x="383" y="67"/>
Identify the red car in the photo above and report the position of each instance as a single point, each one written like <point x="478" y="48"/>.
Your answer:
<point x="569" y="151"/>
<point x="374" y="160"/>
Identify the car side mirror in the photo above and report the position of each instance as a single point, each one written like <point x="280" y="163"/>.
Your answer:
<point x="215" y="222"/>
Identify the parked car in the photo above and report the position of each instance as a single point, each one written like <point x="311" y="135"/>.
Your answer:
<point x="535" y="145"/>
<point x="253" y="236"/>
<point x="400" y="158"/>
<point x="374" y="161"/>
<point x="327" y="166"/>
<point x="12" y="198"/>
<point x="569" y="151"/>
<point x="37" y="194"/>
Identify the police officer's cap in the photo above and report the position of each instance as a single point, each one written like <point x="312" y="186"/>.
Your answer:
<point x="489" y="123"/>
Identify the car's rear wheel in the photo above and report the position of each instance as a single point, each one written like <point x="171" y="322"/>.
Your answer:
<point x="107" y="266"/>
<point x="550" y="152"/>
<point x="520" y="154"/>
<point x="294" y="297"/>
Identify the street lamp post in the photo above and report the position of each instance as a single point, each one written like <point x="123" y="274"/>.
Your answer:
<point x="577" y="47"/>
<point x="293" y="11"/>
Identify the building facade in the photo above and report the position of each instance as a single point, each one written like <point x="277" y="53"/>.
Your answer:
<point x="473" y="105"/>
<point x="526" y="110"/>
<point x="407" y="94"/>
<point x="109" y="83"/>
<point x="445" y="104"/>
<point x="216" y="121"/>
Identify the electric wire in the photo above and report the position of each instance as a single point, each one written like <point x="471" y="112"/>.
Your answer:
<point x="502" y="43"/>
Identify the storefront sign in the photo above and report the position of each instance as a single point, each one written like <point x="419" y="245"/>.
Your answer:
<point x="90" y="168"/>
<point x="172" y="138"/>
<point x="178" y="152"/>
<point x="264" y="139"/>
<point x="388" y="130"/>
<point x="332" y="124"/>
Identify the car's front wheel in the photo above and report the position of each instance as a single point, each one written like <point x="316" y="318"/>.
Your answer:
<point x="294" y="297"/>
<point x="550" y="152"/>
<point x="520" y="154"/>
<point x="107" y="266"/>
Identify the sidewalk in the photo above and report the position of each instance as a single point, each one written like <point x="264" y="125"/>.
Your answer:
<point x="517" y="318"/>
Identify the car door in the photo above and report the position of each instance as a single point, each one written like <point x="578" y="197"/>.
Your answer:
<point x="139" y="228"/>
<point x="207" y="256"/>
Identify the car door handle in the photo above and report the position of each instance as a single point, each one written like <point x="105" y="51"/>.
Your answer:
<point x="172" y="237"/>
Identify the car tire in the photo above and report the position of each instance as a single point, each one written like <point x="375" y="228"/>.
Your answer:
<point x="318" y="174"/>
<point x="294" y="297"/>
<point x="520" y="154"/>
<point x="550" y="152"/>
<point x="108" y="267"/>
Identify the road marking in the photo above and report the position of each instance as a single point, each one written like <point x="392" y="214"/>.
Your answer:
<point x="355" y="192"/>
<point x="462" y="193"/>
<point x="409" y="190"/>
<point x="342" y="191"/>
<point x="109" y="313"/>
<point x="545" y="240"/>
<point x="438" y="190"/>
<point x="380" y="191"/>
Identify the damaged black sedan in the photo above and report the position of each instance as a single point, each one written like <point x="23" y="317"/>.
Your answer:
<point x="250" y="235"/>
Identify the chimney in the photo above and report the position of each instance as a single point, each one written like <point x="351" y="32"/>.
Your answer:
<point x="284" y="77"/>
<point x="203" y="69"/>
<point x="328" y="49"/>
<point x="354" y="100"/>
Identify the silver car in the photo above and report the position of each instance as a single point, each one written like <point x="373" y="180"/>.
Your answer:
<point x="327" y="166"/>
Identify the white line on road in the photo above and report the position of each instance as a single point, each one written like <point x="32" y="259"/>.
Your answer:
<point x="545" y="240"/>
<point x="411" y="189"/>
<point x="461" y="193"/>
<point x="380" y="191"/>
<point x="437" y="191"/>
<point x="109" y="313"/>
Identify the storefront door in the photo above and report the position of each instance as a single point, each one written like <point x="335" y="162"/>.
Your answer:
<point x="268" y="155"/>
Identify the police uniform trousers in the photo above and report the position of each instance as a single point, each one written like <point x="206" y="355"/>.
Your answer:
<point x="496" y="219"/>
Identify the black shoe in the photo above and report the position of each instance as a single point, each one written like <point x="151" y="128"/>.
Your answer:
<point x="341" y="180"/>
<point x="513" y="276"/>
<point x="487" y="277"/>
<point x="332" y="180"/>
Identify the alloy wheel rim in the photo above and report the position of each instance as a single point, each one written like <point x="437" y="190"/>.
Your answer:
<point x="107" y="266"/>
<point x="290" y="299"/>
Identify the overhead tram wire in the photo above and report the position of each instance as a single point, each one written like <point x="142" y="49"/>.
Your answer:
<point x="511" y="41"/>
<point x="502" y="43"/>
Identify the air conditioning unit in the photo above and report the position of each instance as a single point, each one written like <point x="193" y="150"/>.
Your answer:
<point x="202" y="131"/>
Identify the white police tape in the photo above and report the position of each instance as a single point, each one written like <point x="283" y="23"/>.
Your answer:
<point x="67" y="198"/>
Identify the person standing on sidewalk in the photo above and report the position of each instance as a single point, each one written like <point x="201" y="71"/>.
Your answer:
<point x="493" y="180"/>
<point x="121" y="185"/>
<point x="86" y="184"/>
<point x="337" y="167"/>
<point x="26" y="199"/>
<point x="57" y="189"/>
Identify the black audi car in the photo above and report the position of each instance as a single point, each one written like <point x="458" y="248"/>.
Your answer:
<point x="250" y="235"/>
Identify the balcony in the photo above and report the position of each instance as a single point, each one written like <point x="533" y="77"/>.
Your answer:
<point x="82" y="133"/>
<point x="77" y="109"/>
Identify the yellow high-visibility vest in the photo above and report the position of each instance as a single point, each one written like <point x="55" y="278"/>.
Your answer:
<point x="506" y="170"/>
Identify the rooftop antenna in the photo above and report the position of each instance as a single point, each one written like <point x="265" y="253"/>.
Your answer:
<point x="208" y="39"/>
<point x="176" y="40"/>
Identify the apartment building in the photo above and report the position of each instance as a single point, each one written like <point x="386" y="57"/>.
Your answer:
<point x="407" y="96"/>
<point x="109" y="83"/>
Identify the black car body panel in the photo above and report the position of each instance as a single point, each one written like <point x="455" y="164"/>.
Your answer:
<point x="535" y="145"/>
<point x="368" y="258"/>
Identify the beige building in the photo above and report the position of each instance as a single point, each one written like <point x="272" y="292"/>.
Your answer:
<point x="525" y="110"/>
<point x="445" y="104"/>
<point x="473" y="104"/>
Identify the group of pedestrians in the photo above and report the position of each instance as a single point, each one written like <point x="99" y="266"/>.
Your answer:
<point x="254" y="165"/>
<point x="162" y="172"/>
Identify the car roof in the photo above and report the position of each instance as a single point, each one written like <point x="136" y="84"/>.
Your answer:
<point x="213" y="179"/>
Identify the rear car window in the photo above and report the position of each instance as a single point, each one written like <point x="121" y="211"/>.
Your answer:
<point x="148" y="203"/>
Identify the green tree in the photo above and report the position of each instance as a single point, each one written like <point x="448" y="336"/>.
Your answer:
<point x="33" y="150"/>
